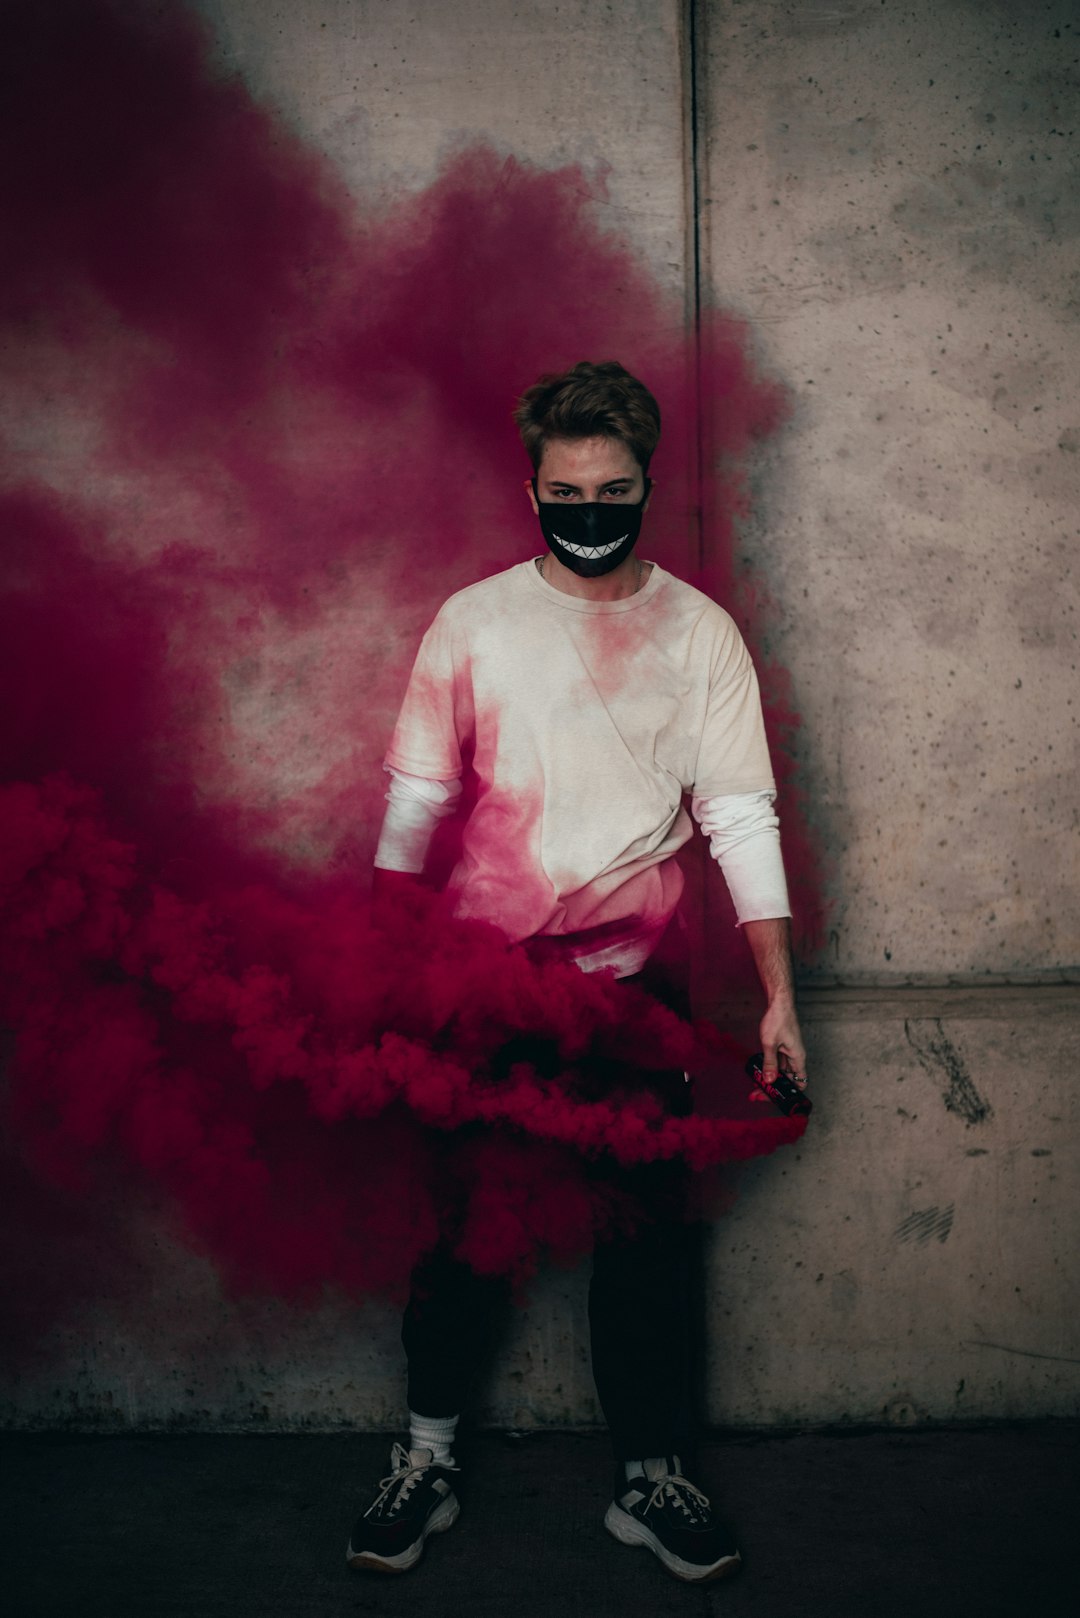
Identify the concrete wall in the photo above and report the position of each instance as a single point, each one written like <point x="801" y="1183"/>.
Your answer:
<point x="891" y="194"/>
<point x="387" y="90"/>
<point x="884" y="192"/>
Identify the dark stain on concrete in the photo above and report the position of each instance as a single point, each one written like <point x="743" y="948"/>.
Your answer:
<point x="925" y="1224"/>
<point x="1027" y="1353"/>
<point x="938" y="1054"/>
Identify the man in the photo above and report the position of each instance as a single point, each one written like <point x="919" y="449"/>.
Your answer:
<point x="593" y="690"/>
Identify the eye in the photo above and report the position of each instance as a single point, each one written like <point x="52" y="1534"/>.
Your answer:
<point x="619" y="492"/>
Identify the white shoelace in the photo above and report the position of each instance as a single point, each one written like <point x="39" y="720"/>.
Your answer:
<point x="405" y="1476"/>
<point x="673" y="1486"/>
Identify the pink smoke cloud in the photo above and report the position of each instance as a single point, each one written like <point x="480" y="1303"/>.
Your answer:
<point x="254" y="438"/>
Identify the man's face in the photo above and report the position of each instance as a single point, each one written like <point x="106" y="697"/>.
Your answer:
<point x="576" y="470"/>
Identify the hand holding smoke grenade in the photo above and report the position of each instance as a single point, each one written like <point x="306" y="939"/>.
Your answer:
<point x="781" y="1089"/>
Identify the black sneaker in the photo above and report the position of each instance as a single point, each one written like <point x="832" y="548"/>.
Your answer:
<point x="414" y="1501"/>
<point x="668" y="1515"/>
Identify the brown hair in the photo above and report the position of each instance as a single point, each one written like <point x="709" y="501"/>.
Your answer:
<point x="589" y="401"/>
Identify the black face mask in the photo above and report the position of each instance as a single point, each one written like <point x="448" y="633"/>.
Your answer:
<point x="591" y="538"/>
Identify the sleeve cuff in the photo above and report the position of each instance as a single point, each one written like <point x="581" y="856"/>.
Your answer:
<point x="414" y="807"/>
<point x="744" y="839"/>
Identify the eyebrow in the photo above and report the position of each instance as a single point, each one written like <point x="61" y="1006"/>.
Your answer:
<point x="558" y="483"/>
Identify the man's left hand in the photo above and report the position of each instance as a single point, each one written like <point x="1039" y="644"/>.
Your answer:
<point x="782" y="1042"/>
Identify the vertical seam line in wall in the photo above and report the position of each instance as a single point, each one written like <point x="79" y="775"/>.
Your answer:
<point x="692" y="28"/>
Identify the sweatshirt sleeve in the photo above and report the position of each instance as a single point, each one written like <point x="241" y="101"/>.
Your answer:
<point x="414" y="808"/>
<point x="744" y="839"/>
<point x="733" y="754"/>
<point x="436" y="716"/>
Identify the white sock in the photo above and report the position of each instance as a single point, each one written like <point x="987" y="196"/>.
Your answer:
<point x="656" y="1466"/>
<point x="435" y="1433"/>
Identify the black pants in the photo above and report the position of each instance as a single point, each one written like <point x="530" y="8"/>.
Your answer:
<point x="642" y="1307"/>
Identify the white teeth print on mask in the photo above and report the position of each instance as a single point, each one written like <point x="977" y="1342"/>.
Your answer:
<point x="595" y="551"/>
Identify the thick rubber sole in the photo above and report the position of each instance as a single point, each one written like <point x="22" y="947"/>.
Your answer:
<point x="628" y="1531"/>
<point x="439" y="1521"/>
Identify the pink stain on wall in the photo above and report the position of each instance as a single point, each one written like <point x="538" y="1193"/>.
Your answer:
<point x="254" y="438"/>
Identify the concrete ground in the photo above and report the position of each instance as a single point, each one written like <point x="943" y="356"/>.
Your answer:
<point x="938" y="1524"/>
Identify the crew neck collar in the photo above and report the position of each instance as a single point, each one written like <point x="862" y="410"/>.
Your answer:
<point x="559" y="598"/>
